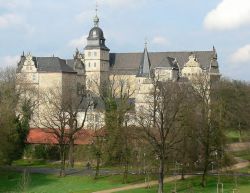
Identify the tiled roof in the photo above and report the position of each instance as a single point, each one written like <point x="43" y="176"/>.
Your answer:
<point x="130" y="61"/>
<point x="53" y="64"/>
<point x="127" y="63"/>
<point x="45" y="136"/>
<point x="50" y="64"/>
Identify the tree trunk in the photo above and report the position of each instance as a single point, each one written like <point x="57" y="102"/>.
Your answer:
<point x="182" y="173"/>
<point x="97" y="168"/>
<point x="71" y="153"/>
<point x="239" y="129"/>
<point x="203" y="180"/>
<point x="161" y="175"/>
<point x="125" y="173"/>
<point x="62" y="156"/>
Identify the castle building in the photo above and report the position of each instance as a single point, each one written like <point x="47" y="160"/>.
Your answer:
<point x="97" y="64"/>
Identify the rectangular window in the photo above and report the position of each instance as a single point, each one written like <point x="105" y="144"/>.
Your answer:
<point x="34" y="77"/>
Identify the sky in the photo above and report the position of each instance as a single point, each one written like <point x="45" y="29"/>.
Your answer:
<point x="58" y="27"/>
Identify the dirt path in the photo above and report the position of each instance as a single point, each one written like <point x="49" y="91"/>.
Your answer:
<point x="240" y="165"/>
<point x="141" y="185"/>
<point x="238" y="146"/>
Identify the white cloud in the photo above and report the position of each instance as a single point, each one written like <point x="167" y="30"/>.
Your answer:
<point x="78" y="42"/>
<point x="8" y="20"/>
<point x="9" y="60"/>
<point x="242" y="55"/>
<point x="160" y="40"/>
<point x="229" y="14"/>
<point x="12" y="13"/>
<point x="15" y="4"/>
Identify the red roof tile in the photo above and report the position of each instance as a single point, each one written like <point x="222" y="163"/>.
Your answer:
<point x="45" y="136"/>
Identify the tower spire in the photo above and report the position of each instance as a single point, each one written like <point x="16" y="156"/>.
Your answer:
<point x="145" y="65"/>
<point x="146" y="42"/>
<point x="96" y="18"/>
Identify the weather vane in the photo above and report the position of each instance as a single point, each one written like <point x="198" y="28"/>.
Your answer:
<point x="96" y="7"/>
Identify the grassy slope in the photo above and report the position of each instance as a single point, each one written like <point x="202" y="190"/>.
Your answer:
<point x="9" y="182"/>
<point x="193" y="185"/>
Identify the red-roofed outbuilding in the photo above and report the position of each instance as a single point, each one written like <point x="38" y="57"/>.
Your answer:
<point x="46" y="136"/>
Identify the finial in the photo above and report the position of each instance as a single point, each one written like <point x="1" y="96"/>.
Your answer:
<point x="96" y="8"/>
<point x="96" y="19"/>
<point x="23" y="53"/>
<point x="215" y="56"/>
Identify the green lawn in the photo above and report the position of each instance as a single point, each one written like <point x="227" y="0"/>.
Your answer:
<point x="193" y="186"/>
<point x="245" y="154"/>
<point x="40" y="183"/>
<point x="233" y="136"/>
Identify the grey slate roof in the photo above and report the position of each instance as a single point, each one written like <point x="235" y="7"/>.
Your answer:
<point x="168" y="63"/>
<point x="50" y="64"/>
<point x="129" y="62"/>
<point x="53" y="64"/>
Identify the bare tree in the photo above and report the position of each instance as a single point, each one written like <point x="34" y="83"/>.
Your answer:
<point x="63" y="112"/>
<point x="76" y="105"/>
<point x="159" y="120"/>
<point x="116" y="95"/>
<point x="209" y="119"/>
<point x="97" y="148"/>
<point x="54" y="117"/>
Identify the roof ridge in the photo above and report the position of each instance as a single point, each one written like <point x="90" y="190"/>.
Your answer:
<point x="185" y="51"/>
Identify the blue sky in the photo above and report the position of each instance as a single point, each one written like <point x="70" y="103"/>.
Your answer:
<point x="47" y="27"/>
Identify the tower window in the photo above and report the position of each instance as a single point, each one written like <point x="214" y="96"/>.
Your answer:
<point x="89" y="64"/>
<point x="94" y="64"/>
<point x="95" y="54"/>
<point x="34" y="77"/>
